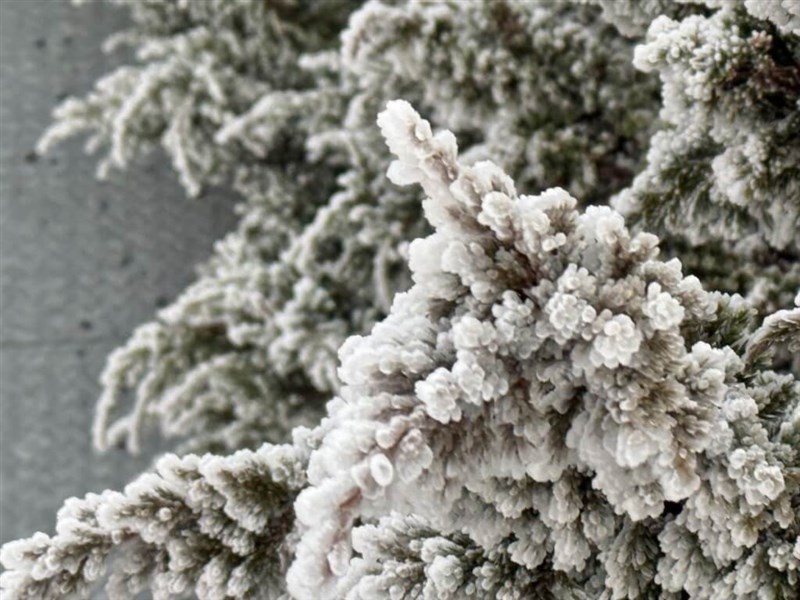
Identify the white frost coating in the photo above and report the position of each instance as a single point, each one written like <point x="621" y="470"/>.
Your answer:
<point x="440" y="394"/>
<point x="632" y="17"/>
<point x="541" y="353"/>
<point x="568" y="314"/>
<point x="617" y="342"/>
<point x="179" y="531"/>
<point x="546" y="387"/>
<point x="445" y="574"/>
<point x="277" y="100"/>
<point x="381" y="469"/>
<point x="402" y="556"/>
<point x="780" y="329"/>
<point x="664" y="311"/>
<point x="784" y="13"/>
<point x="724" y="166"/>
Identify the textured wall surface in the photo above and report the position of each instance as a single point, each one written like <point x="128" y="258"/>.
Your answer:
<point x="81" y="262"/>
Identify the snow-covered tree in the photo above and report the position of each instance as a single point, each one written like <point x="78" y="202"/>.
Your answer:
<point x="528" y="396"/>
<point x="249" y="350"/>
<point x="220" y="527"/>
<point x="549" y="385"/>
<point x="731" y="87"/>
<point x="723" y="173"/>
<point x="200" y="65"/>
<point x="556" y="411"/>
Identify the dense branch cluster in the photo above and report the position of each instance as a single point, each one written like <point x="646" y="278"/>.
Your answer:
<point x="731" y="90"/>
<point x="498" y="386"/>
<point x="250" y="349"/>
<point x="219" y="526"/>
<point x="542" y="385"/>
<point x="723" y="173"/>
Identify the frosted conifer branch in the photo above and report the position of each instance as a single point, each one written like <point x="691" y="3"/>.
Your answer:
<point x="781" y="328"/>
<point x="542" y="352"/>
<point x="220" y="527"/>
<point x="553" y="77"/>
<point x="403" y="557"/>
<point x="201" y="66"/>
<point x="321" y="249"/>
<point x="726" y="164"/>
<point x="784" y="13"/>
<point x="202" y="370"/>
<point x="550" y="406"/>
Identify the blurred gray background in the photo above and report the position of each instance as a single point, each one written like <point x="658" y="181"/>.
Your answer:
<point x="81" y="262"/>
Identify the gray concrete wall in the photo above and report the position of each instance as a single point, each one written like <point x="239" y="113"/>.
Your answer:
<point x="81" y="262"/>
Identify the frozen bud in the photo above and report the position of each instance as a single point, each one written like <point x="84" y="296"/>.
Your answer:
<point x="499" y="213"/>
<point x="737" y="459"/>
<point x="164" y="514"/>
<point x="566" y="313"/>
<point x="616" y="344"/>
<point x="381" y="469"/>
<point x="768" y="481"/>
<point x="364" y="479"/>
<point x="634" y="447"/>
<point x="339" y="557"/>
<point x="413" y="456"/>
<point x="602" y="224"/>
<point x="664" y="311"/>
<point x="535" y="221"/>
<point x="446" y="574"/>
<point x="388" y="435"/>
<point x="738" y="406"/>
<point x="440" y="394"/>
<point x="469" y="332"/>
